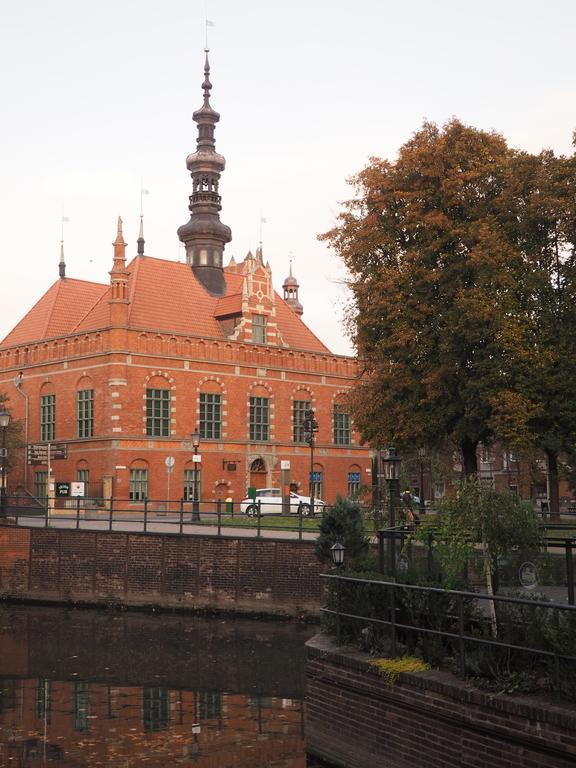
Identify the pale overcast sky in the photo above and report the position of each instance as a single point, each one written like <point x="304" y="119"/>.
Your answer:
<point x="96" y="95"/>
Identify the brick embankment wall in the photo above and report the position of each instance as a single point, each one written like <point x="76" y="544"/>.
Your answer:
<point x="354" y="720"/>
<point x="193" y="572"/>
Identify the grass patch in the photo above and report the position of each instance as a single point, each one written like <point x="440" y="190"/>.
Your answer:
<point x="391" y="669"/>
<point x="269" y="522"/>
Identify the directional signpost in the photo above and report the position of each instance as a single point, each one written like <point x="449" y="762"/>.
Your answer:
<point x="169" y="461"/>
<point x="44" y="453"/>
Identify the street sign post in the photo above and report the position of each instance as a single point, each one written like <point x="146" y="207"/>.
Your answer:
<point x="169" y="461"/>
<point x="43" y="453"/>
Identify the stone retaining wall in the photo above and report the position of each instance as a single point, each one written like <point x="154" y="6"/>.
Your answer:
<point x="426" y="720"/>
<point x="196" y="572"/>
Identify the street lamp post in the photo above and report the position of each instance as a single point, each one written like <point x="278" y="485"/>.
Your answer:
<point x="196" y="489"/>
<point x="391" y="464"/>
<point x="422" y="456"/>
<point x="4" y="422"/>
<point x="310" y="426"/>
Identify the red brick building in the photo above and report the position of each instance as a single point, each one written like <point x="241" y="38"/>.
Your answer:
<point x="122" y="372"/>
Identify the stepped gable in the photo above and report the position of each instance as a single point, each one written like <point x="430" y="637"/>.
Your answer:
<point x="58" y="312"/>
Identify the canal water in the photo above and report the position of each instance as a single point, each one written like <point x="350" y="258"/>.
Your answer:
<point x="96" y="688"/>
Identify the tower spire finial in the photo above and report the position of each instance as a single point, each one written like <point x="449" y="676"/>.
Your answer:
<point x="119" y="234"/>
<point x="140" y="240"/>
<point x="204" y="235"/>
<point x="62" y="263"/>
<point x="206" y="85"/>
<point x="290" y="287"/>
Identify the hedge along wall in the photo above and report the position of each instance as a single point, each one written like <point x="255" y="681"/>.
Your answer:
<point x="196" y="572"/>
<point x="354" y="720"/>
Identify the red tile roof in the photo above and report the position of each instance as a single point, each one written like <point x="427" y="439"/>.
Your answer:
<point x="228" y="305"/>
<point x="57" y="313"/>
<point x="164" y="296"/>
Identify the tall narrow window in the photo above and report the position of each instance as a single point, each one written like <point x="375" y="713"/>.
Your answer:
<point x="191" y="485"/>
<point x="83" y="476"/>
<point x="138" y="484"/>
<point x="210" y="416"/>
<point x="158" y="412"/>
<point x="81" y="706"/>
<point x="47" y="417"/>
<point x="43" y="700"/>
<point x="259" y="329"/>
<point x="341" y="425"/>
<point x="40" y="485"/>
<point x="259" y="418"/>
<point x="317" y="484"/>
<point x="156" y="712"/>
<point x="353" y="485"/>
<point x="298" y="410"/>
<point x="210" y="704"/>
<point x="85" y="413"/>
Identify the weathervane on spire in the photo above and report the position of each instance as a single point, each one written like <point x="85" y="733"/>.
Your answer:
<point x="208" y="23"/>
<point x="262" y="221"/>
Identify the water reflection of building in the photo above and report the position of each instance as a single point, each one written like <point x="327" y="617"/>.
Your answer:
<point x="77" y="723"/>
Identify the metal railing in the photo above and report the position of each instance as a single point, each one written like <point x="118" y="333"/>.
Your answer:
<point x="460" y="632"/>
<point x="397" y="552"/>
<point x="182" y="516"/>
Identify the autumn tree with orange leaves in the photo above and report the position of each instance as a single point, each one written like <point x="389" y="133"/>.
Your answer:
<point x="446" y="313"/>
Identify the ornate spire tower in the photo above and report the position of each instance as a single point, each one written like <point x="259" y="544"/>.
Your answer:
<point x="204" y="235"/>
<point x="290" y="287"/>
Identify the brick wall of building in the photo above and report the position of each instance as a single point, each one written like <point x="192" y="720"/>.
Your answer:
<point x="354" y="720"/>
<point x="186" y="367"/>
<point x="250" y="575"/>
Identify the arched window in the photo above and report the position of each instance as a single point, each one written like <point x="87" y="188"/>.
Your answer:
<point x="354" y="482"/>
<point x="138" y="481"/>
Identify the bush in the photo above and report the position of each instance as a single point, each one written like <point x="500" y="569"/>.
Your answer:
<point x="343" y="523"/>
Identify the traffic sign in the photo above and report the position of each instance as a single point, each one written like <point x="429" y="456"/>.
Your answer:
<point x="169" y="461"/>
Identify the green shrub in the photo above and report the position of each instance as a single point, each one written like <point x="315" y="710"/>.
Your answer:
<point x="343" y="523"/>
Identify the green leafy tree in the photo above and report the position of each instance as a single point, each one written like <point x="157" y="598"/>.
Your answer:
<point x="498" y="523"/>
<point x="433" y="273"/>
<point x="342" y="523"/>
<point x="540" y="406"/>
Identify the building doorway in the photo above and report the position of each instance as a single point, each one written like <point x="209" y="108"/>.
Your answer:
<point x="258" y="474"/>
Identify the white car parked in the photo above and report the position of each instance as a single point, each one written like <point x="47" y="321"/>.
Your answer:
<point x="271" y="503"/>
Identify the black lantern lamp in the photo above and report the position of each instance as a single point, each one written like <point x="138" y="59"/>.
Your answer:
<point x="337" y="554"/>
<point x="4" y="422"/>
<point x="391" y="462"/>
<point x="196" y="498"/>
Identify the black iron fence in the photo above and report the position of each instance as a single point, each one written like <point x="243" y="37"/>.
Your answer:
<point x="479" y="635"/>
<point x="549" y="570"/>
<point x="156" y="515"/>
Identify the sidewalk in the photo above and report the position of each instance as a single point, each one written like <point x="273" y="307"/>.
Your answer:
<point x="166" y="523"/>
